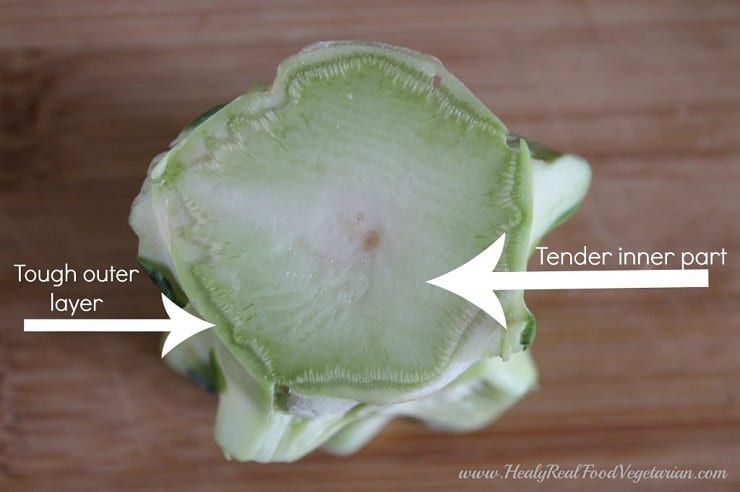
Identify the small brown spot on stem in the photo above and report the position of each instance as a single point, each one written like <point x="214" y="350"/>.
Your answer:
<point x="370" y="241"/>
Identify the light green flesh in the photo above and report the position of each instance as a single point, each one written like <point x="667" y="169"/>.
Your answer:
<point x="559" y="187"/>
<point x="249" y="430"/>
<point x="356" y="434"/>
<point x="250" y="426"/>
<point x="306" y="226"/>
<point x="472" y="401"/>
<point x="304" y="219"/>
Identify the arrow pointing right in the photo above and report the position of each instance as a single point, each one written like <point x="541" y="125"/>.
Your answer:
<point x="181" y="325"/>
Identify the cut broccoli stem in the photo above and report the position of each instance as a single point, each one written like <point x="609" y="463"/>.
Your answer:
<point x="303" y="220"/>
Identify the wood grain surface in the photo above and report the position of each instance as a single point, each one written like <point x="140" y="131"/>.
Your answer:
<point x="648" y="91"/>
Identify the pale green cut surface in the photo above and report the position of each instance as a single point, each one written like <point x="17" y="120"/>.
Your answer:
<point x="304" y="221"/>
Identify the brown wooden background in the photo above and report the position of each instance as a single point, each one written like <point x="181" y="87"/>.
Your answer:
<point x="648" y="91"/>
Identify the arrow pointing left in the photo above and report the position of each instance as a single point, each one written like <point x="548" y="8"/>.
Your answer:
<point x="181" y="325"/>
<point x="475" y="281"/>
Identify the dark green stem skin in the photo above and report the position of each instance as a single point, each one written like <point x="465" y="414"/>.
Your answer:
<point x="204" y="116"/>
<point x="537" y="150"/>
<point x="203" y="378"/>
<point x="164" y="282"/>
<point x="527" y="335"/>
<point x="219" y="381"/>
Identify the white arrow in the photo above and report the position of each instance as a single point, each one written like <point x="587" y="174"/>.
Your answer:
<point x="181" y="325"/>
<point x="475" y="280"/>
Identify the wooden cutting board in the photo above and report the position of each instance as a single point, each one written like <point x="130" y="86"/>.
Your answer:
<point x="649" y="92"/>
